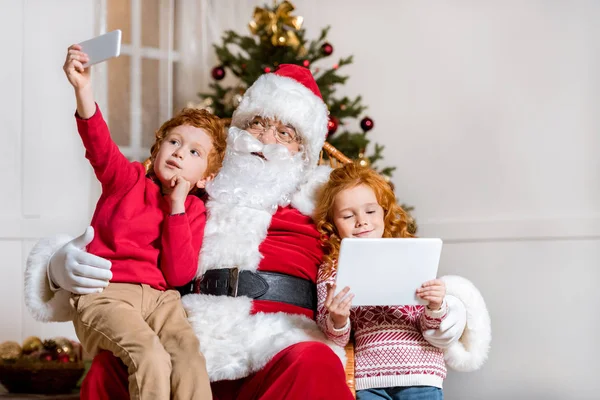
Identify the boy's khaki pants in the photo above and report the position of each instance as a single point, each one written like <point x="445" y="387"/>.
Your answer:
<point x="148" y="330"/>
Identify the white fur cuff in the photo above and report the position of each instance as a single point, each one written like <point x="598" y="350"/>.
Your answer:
<point x="44" y="304"/>
<point x="471" y="350"/>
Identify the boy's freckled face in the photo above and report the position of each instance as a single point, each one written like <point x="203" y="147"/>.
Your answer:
<point x="184" y="152"/>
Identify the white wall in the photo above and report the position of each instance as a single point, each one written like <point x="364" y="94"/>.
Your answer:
<point x="487" y="108"/>
<point x="490" y="112"/>
<point x="46" y="180"/>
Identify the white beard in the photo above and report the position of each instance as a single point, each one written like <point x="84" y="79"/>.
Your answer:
<point x="247" y="180"/>
<point x="243" y="197"/>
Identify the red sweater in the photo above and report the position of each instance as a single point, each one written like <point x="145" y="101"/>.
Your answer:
<point x="133" y="228"/>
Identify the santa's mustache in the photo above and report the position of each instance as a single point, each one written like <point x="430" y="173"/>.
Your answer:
<point x="242" y="142"/>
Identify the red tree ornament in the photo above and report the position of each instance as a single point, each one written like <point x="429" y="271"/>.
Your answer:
<point x="327" y="49"/>
<point x="46" y="356"/>
<point x="366" y="124"/>
<point x="218" y="73"/>
<point x="332" y="125"/>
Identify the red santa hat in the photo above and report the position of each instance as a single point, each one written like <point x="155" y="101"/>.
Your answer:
<point x="291" y="95"/>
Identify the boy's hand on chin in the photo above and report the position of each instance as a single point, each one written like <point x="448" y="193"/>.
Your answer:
<point x="180" y="189"/>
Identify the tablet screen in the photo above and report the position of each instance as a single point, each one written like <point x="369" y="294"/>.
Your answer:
<point x="387" y="271"/>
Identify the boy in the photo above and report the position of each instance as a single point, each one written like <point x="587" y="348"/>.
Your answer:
<point x="151" y="231"/>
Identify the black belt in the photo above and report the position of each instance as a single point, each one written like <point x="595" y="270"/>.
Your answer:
<point x="259" y="286"/>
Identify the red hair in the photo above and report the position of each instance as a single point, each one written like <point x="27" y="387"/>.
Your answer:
<point x="211" y="124"/>
<point x="396" y="221"/>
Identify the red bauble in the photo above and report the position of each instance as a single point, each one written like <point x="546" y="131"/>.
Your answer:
<point x="267" y="70"/>
<point x="218" y="73"/>
<point x="327" y="49"/>
<point x="332" y="125"/>
<point x="306" y="63"/>
<point x="366" y="124"/>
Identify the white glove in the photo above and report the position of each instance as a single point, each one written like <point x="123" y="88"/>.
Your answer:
<point x="451" y="328"/>
<point x="77" y="271"/>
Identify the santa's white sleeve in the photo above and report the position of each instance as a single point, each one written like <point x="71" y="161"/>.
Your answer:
<point x="304" y="200"/>
<point x="470" y="351"/>
<point x="45" y="304"/>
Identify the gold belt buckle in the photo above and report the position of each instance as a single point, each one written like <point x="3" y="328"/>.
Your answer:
<point x="232" y="286"/>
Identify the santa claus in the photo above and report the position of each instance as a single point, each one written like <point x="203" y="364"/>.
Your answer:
<point x="255" y="296"/>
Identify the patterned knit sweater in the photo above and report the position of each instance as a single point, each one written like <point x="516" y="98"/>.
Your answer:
<point x="390" y="350"/>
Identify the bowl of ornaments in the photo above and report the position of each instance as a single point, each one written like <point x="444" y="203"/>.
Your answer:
<point x="36" y="366"/>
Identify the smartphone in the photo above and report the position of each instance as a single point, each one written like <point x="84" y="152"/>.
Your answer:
<point x="102" y="47"/>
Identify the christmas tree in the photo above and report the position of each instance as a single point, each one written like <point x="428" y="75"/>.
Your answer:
<point x="277" y="37"/>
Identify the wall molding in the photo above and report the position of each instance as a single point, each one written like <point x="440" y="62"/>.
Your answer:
<point x="558" y="228"/>
<point x="451" y="231"/>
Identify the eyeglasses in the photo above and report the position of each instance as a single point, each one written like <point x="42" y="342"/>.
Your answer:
<point x="284" y="134"/>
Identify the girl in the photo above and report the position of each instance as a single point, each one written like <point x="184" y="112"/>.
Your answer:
<point x="393" y="360"/>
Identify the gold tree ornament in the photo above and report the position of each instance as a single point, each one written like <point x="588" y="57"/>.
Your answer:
<point x="10" y="351"/>
<point x="65" y="346"/>
<point x="279" y="26"/>
<point x="205" y="104"/>
<point x="233" y="96"/>
<point x="32" y="344"/>
<point x="362" y="160"/>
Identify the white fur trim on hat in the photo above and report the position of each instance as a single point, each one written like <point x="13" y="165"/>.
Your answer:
<point x="283" y="98"/>
<point x="471" y="350"/>
<point x="44" y="304"/>
<point x="304" y="200"/>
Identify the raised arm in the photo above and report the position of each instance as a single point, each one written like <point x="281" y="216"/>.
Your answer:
<point x="80" y="79"/>
<point x="110" y="166"/>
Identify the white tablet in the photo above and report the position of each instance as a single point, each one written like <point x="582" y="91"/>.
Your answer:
<point x="102" y="47"/>
<point x="387" y="271"/>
